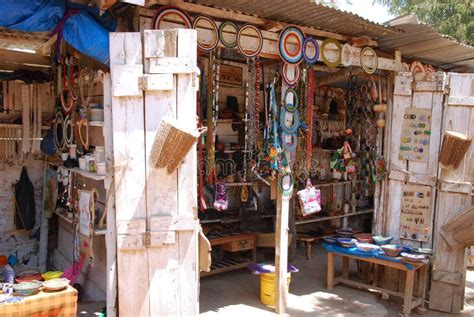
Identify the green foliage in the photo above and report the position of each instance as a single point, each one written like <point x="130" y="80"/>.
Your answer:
<point x="450" y="17"/>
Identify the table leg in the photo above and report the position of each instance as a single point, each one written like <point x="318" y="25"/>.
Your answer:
<point x="330" y="273"/>
<point x="308" y="250"/>
<point x="375" y="280"/>
<point x="422" y="284"/>
<point x="408" y="292"/>
<point x="345" y="267"/>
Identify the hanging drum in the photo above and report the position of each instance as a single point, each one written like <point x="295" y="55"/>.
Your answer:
<point x="346" y="55"/>
<point x="253" y="48"/>
<point x="170" y="17"/>
<point x="290" y="44"/>
<point x="207" y="33"/>
<point x="368" y="60"/>
<point x="228" y="34"/>
<point x="331" y="59"/>
<point x="291" y="100"/>
<point x="310" y="50"/>
<point x="291" y="73"/>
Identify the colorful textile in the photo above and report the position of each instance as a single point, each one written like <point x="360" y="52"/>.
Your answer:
<point x="356" y="252"/>
<point x="62" y="303"/>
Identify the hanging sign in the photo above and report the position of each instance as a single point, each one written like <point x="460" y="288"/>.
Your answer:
<point x="415" y="136"/>
<point x="415" y="214"/>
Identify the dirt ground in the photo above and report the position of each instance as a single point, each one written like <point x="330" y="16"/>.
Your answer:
<point x="237" y="294"/>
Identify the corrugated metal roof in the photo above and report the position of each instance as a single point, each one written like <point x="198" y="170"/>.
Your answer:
<point x="306" y="13"/>
<point x="422" y="42"/>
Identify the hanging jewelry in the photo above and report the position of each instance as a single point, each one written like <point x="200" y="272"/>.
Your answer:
<point x="310" y="107"/>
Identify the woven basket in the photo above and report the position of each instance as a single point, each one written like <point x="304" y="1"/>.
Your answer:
<point x="454" y="148"/>
<point x="172" y="143"/>
<point x="458" y="231"/>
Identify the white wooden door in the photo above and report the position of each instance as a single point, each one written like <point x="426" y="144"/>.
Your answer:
<point x="454" y="196"/>
<point x="156" y="216"/>
<point x="422" y="91"/>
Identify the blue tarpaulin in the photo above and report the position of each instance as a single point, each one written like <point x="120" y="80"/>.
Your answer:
<point x="85" y="30"/>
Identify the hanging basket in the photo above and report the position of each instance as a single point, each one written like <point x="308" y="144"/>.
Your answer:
<point x="172" y="143"/>
<point x="454" y="148"/>
<point x="458" y="231"/>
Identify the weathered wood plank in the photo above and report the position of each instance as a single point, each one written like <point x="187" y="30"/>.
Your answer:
<point x="281" y="253"/>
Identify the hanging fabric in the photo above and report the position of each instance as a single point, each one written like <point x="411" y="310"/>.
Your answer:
<point x="25" y="213"/>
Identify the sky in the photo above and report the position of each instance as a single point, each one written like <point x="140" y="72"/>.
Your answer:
<point x="367" y="10"/>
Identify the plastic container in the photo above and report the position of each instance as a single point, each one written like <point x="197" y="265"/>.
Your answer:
<point x="100" y="167"/>
<point x="64" y="156"/>
<point x="82" y="163"/>
<point x="96" y="113"/>
<point x="99" y="154"/>
<point x="72" y="151"/>
<point x="91" y="164"/>
<point x="267" y="288"/>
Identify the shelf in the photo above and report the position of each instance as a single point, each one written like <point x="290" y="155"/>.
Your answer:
<point x="361" y="212"/>
<point x="96" y="123"/>
<point x="19" y="126"/>
<point x="231" y="220"/>
<point x="228" y="121"/>
<point x="235" y="184"/>
<point x="76" y="170"/>
<point x="323" y="150"/>
<point x="225" y="266"/>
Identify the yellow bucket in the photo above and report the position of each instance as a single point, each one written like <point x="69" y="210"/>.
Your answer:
<point x="267" y="288"/>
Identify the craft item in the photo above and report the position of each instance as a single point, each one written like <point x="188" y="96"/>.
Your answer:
<point x="83" y="131"/>
<point x="364" y="237"/>
<point x="205" y="24"/>
<point x="417" y="67"/>
<point x="346" y="55"/>
<point x="82" y="163"/>
<point x="27" y="288"/>
<point x="286" y="183"/>
<point x="291" y="100"/>
<point x="368" y="60"/>
<point x="457" y="232"/>
<point x="290" y="44"/>
<point x="392" y="250"/>
<point x="221" y="200"/>
<point x="289" y="143"/>
<point x="289" y="121"/>
<point x="330" y="239"/>
<point x="346" y="242"/>
<point x="380" y="240"/>
<point x="251" y="110"/>
<point x="367" y="247"/>
<point x="228" y="34"/>
<point x="64" y="156"/>
<point x="310" y="199"/>
<point x="413" y="257"/>
<point x="250" y="30"/>
<point x="309" y="111"/>
<point x="291" y="73"/>
<point x="211" y="118"/>
<point x="56" y="285"/>
<point x="72" y="151"/>
<point x="86" y="78"/>
<point x="347" y="151"/>
<point x="331" y="62"/>
<point x="310" y="50"/>
<point x="415" y="212"/>
<point x="91" y="164"/>
<point x="170" y="13"/>
<point x="99" y="154"/>
<point x="58" y="131"/>
<point x="415" y="135"/>
<point x="454" y="148"/>
<point x="257" y="100"/>
<point x="68" y="131"/>
<point x="85" y="207"/>
<point x="172" y="143"/>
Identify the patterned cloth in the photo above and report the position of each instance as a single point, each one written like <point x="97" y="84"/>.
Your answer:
<point x="62" y="304"/>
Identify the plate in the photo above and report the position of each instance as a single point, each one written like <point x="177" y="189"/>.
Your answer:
<point x="413" y="257"/>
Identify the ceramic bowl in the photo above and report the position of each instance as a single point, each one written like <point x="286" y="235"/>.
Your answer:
<point x="364" y="238"/>
<point x="330" y="239"/>
<point x="27" y="288"/>
<point x="56" y="285"/>
<point x="380" y="240"/>
<point x="391" y="249"/>
<point x="367" y="247"/>
<point x="346" y="242"/>
<point x="413" y="257"/>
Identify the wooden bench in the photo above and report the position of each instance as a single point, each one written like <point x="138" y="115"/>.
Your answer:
<point x="308" y="240"/>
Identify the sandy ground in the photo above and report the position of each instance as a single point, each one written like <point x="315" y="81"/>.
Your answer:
<point x="237" y="294"/>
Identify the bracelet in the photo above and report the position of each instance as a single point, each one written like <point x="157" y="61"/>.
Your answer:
<point x="68" y="131"/>
<point x="286" y="183"/>
<point x="366" y="52"/>
<point x="291" y="106"/>
<point x="203" y="45"/>
<point x="235" y="29"/>
<point x="308" y="58"/>
<point x="337" y="61"/>
<point x="296" y="121"/>
<point x="58" y="129"/>
<point x="346" y="55"/>
<point x="166" y="10"/>
<point x="83" y="139"/>
<point x="259" y="36"/>
<point x="285" y="73"/>
<point x="291" y="32"/>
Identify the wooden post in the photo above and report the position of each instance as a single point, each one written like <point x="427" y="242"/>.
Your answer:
<point x="330" y="272"/>
<point x="111" y="235"/>
<point x="281" y="252"/>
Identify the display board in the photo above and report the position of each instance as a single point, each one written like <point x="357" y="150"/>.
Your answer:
<point x="415" y="213"/>
<point x="415" y="135"/>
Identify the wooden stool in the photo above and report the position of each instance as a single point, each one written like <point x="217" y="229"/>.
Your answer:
<point x="307" y="239"/>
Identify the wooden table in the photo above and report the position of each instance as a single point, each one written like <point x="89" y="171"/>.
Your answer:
<point x="63" y="303"/>
<point x="233" y="243"/>
<point x="408" y="301"/>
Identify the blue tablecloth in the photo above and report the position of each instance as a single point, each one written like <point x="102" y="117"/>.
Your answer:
<point x="356" y="252"/>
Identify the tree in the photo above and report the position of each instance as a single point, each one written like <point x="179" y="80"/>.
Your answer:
<point x="450" y="17"/>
